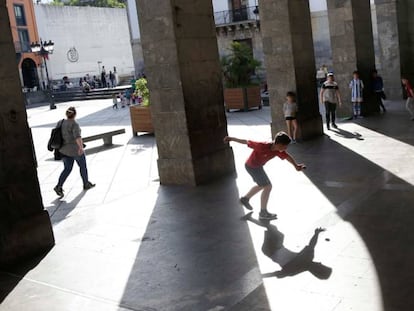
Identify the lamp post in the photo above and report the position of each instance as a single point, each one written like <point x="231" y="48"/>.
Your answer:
<point x="44" y="49"/>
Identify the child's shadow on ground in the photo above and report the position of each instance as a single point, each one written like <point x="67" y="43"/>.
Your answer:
<point x="292" y="263"/>
<point x="346" y="134"/>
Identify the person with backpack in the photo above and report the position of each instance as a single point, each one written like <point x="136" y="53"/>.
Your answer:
<point x="71" y="151"/>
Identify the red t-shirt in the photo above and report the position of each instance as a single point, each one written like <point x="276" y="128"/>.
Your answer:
<point x="262" y="153"/>
<point x="409" y="89"/>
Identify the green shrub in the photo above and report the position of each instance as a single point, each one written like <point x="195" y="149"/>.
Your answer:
<point x="239" y="67"/>
<point x="141" y="90"/>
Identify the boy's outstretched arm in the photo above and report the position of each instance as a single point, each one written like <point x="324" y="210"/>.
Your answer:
<point x="298" y="167"/>
<point x="228" y="139"/>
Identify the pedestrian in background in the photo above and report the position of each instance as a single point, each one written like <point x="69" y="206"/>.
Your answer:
<point x="330" y="96"/>
<point x="409" y="104"/>
<point x="378" y="88"/>
<point x="103" y="77"/>
<point x="290" y="108"/>
<point x="112" y="78"/>
<point x="357" y="87"/>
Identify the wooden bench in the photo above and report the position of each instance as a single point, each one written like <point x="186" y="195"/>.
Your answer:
<point x="107" y="137"/>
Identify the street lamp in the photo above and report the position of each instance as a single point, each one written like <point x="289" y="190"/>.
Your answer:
<point x="44" y="49"/>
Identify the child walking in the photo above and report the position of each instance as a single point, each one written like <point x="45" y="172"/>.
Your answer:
<point x="290" y="109"/>
<point x="263" y="152"/>
<point x="114" y="101"/>
<point x="357" y="86"/>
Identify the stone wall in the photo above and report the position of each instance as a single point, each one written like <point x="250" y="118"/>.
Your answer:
<point x="226" y="37"/>
<point x="321" y="40"/>
<point x="97" y="34"/>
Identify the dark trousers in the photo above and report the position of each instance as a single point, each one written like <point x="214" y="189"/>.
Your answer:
<point x="330" y="110"/>
<point x="68" y="165"/>
<point x="378" y="98"/>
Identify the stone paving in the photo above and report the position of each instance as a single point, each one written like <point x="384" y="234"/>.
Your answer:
<point x="131" y="244"/>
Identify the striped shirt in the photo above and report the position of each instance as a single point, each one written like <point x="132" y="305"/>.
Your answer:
<point x="356" y="86"/>
<point x="329" y="92"/>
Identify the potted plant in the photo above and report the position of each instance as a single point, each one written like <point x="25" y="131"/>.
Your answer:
<point x="238" y="69"/>
<point x="141" y="119"/>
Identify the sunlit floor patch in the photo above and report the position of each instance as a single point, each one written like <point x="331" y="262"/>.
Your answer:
<point x="383" y="156"/>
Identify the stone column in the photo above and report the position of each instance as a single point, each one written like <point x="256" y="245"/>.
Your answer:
<point x="290" y="62"/>
<point x="184" y="78"/>
<point x="405" y="15"/>
<point x="389" y="48"/>
<point x="352" y="43"/>
<point x="25" y="227"/>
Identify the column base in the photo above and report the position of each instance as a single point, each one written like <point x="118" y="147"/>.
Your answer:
<point x="308" y="128"/>
<point x="196" y="171"/>
<point x="26" y="238"/>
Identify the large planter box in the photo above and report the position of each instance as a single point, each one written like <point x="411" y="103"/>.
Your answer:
<point x="141" y="119"/>
<point x="243" y="98"/>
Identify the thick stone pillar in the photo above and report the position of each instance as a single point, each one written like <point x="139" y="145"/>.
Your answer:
<point x="405" y="14"/>
<point x="389" y="48"/>
<point x="184" y="77"/>
<point x="290" y="62"/>
<point x="25" y="227"/>
<point x="352" y="43"/>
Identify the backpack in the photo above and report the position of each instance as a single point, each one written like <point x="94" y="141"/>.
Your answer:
<point x="56" y="139"/>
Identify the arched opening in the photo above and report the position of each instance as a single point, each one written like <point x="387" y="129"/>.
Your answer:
<point x="29" y="72"/>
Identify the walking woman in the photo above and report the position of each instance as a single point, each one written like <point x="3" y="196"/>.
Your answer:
<point x="71" y="151"/>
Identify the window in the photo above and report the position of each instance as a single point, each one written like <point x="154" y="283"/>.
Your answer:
<point x="247" y="42"/>
<point x="24" y="40"/>
<point x="19" y="14"/>
<point x="239" y="11"/>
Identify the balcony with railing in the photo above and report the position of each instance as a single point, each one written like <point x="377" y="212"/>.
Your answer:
<point x="242" y="15"/>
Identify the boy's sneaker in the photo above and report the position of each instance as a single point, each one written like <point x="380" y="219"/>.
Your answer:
<point x="245" y="202"/>
<point x="334" y="125"/>
<point x="59" y="191"/>
<point x="88" y="186"/>
<point x="265" y="215"/>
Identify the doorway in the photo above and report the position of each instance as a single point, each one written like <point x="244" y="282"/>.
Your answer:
<point x="29" y="72"/>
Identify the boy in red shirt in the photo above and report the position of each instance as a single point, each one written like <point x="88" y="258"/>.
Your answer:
<point x="263" y="152"/>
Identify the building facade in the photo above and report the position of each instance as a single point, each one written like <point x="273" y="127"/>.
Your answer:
<point x="24" y="31"/>
<point x="87" y="39"/>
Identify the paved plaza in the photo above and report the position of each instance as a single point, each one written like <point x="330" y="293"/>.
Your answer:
<point x="131" y="244"/>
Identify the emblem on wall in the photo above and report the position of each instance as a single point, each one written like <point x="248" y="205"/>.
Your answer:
<point x="73" y="55"/>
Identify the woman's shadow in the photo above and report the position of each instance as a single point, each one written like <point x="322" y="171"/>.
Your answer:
<point x="292" y="263"/>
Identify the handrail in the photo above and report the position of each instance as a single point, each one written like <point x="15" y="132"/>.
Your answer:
<point x="250" y="13"/>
